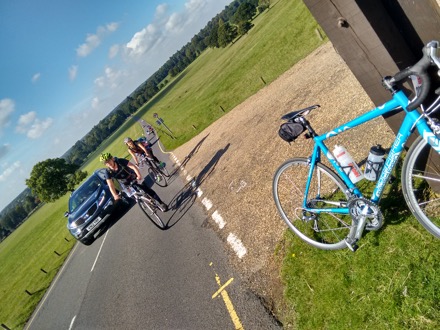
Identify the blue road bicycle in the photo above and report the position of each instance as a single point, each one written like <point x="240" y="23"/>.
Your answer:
<point x="325" y="208"/>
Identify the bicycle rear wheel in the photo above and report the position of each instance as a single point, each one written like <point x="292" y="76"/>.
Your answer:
<point x="157" y="177"/>
<point x="324" y="230"/>
<point x="150" y="212"/>
<point x="421" y="184"/>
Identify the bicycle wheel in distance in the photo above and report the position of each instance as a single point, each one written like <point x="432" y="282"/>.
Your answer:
<point x="150" y="212"/>
<point x="157" y="177"/>
<point x="326" y="231"/>
<point x="421" y="185"/>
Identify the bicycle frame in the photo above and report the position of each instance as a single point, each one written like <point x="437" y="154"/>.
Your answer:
<point x="412" y="119"/>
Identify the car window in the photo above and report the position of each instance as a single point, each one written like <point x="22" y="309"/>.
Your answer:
<point x="84" y="192"/>
<point x="101" y="173"/>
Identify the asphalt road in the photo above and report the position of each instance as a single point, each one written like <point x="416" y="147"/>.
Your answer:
<point x="136" y="276"/>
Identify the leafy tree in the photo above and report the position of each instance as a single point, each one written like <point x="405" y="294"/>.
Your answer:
<point x="245" y="12"/>
<point x="213" y="37"/>
<point x="76" y="178"/>
<point x="51" y="179"/>
<point x="226" y="33"/>
<point x="263" y="5"/>
<point x="244" y="27"/>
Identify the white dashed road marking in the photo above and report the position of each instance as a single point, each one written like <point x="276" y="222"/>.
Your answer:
<point x="232" y="239"/>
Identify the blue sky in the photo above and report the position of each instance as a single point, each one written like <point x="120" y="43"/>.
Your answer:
<point x="66" y="64"/>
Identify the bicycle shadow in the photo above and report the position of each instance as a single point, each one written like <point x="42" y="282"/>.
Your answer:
<point x="209" y="168"/>
<point x="186" y="197"/>
<point x="194" y="151"/>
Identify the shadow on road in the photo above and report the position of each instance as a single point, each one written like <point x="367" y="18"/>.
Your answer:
<point x="186" y="197"/>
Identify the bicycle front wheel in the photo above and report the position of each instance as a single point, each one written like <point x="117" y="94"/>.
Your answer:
<point x="421" y="184"/>
<point x="324" y="230"/>
<point x="150" y="212"/>
<point x="157" y="177"/>
<point x="164" y="171"/>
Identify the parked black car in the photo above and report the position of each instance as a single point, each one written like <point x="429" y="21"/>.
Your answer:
<point x="89" y="208"/>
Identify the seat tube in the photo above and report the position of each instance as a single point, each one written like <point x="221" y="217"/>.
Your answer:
<point x="312" y="160"/>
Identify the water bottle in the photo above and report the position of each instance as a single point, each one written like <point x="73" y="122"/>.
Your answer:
<point x="348" y="164"/>
<point x="374" y="163"/>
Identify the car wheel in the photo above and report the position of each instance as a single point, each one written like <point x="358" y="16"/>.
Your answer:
<point x="87" y="242"/>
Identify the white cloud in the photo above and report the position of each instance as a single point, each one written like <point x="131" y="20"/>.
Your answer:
<point x="33" y="127"/>
<point x="36" y="77"/>
<point x="161" y="10"/>
<point x="114" y="50"/>
<point x="26" y="120"/>
<point x="73" y="72"/>
<point x="94" y="40"/>
<point x="95" y="102"/>
<point x="38" y="127"/>
<point x="193" y="5"/>
<point x="174" y="23"/>
<point x="112" y="27"/>
<point x="111" y="78"/>
<point x="9" y="171"/>
<point x="7" y="107"/>
<point x="143" y="40"/>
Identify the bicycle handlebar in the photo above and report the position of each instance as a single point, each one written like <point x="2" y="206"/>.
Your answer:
<point x="419" y="70"/>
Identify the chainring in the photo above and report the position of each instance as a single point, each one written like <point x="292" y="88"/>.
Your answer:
<point x="374" y="215"/>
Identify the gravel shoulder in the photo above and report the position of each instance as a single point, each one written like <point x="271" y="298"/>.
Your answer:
<point x="234" y="159"/>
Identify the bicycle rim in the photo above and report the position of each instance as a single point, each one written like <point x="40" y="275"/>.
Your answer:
<point x="421" y="185"/>
<point x="150" y="212"/>
<point x="165" y="172"/>
<point x="326" y="230"/>
<point x="157" y="177"/>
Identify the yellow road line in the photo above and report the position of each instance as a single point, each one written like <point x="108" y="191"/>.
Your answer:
<point x="234" y="317"/>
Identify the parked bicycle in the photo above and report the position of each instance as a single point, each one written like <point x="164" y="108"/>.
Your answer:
<point x="147" y="204"/>
<point x="326" y="209"/>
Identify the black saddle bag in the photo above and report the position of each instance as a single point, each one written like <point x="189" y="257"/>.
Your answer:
<point x="290" y="131"/>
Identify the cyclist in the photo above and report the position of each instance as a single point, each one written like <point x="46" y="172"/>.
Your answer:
<point x="125" y="172"/>
<point x="136" y="148"/>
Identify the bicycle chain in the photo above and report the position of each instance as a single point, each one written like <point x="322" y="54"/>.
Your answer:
<point x="374" y="216"/>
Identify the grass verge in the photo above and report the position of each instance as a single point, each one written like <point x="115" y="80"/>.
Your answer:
<point x="391" y="282"/>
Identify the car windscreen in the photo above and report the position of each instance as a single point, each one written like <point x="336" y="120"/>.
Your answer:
<point x="83" y="193"/>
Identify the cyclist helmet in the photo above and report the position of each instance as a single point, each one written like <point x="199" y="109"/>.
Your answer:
<point x="105" y="157"/>
<point x="126" y="140"/>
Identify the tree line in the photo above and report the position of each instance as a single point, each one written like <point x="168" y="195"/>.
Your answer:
<point x="62" y="174"/>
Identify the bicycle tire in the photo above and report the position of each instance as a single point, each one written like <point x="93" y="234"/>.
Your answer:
<point x="327" y="231"/>
<point x="421" y="184"/>
<point x="164" y="171"/>
<point x="155" y="174"/>
<point x="150" y="212"/>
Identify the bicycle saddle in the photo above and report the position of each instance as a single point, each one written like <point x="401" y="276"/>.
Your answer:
<point x="303" y="112"/>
